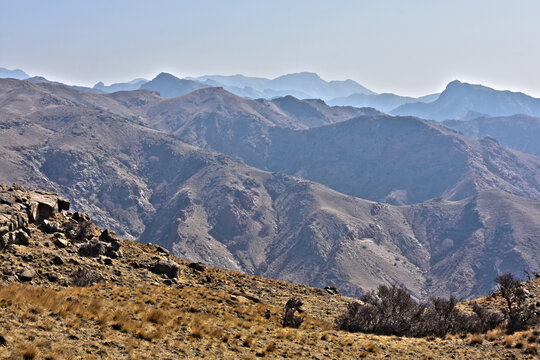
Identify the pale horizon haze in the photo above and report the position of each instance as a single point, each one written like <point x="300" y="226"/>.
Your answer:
<point x="410" y="48"/>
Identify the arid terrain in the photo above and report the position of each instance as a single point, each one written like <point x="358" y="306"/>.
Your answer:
<point x="119" y="158"/>
<point x="70" y="290"/>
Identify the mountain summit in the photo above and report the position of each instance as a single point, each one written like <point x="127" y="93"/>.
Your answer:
<point x="170" y="86"/>
<point x="460" y="99"/>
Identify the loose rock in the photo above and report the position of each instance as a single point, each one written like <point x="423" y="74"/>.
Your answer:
<point x="108" y="235"/>
<point x="27" y="274"/>
<point x="197" y="266"/>
<point x="51" y="226"/>
<point x="92" y="249"/>
<point x="57" y="260"/>
<point x="168" y="268"/>
<point x="61" y="243"/>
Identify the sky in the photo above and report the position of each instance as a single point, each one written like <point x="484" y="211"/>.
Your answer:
<point x="406" y="47"/>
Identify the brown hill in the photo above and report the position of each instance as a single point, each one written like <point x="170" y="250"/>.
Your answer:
<point x="69" y="290"/>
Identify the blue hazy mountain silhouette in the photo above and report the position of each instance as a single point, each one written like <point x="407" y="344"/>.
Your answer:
<point x="460" y="99"/>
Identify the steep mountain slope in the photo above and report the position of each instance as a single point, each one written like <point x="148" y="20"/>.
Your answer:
<point x="400" y="160"/>
<point x="169" y="86"/>
<point x="150" y="186"/>
<point x="519" y="132"/>
<point x="19" y="98"/>
<point x="383" y="102"/>
<point x="460" y="98"/>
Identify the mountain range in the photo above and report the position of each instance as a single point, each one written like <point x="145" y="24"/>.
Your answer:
<point x="465" y="209"/>
<point x="301" y="85"/>
<point x="459" y="101"/>
<point x="134" y="84"/>
<point x="365" y="153"/>
<point x="383" y="102"/>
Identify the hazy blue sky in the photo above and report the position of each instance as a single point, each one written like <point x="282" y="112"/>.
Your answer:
<point x="407" y="47"/>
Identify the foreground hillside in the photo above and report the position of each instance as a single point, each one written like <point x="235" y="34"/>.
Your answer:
<point x="70" y="290"/>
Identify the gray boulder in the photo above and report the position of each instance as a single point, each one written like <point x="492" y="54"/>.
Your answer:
<point x="27" y="274"/>
<point x="51" y="226"/>
<point x="168" y="268"/>
<point x="92" y="249"/>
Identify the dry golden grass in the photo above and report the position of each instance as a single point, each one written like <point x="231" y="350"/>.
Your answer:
<point x="475" y="339"/>
<point x="235" y="316"/>
<point x="495" y="334"/>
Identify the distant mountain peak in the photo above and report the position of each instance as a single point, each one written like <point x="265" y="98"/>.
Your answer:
<point x="212" y="91"/>
<point x="169" y="85"/>
<point x="304" y="75"/>
<point x="454" y="83"/>
<point x="460" y="99"/>
<point x="164" y="75"/>
<point x="14" y="74"/>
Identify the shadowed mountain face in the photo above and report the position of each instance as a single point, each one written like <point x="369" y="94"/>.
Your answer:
<point x="400" y="160"/>
<point x="382" y="102"/>
<point x="519" y="132"/>
<point x="96" y="150"/>
<point x="458" y="99"/>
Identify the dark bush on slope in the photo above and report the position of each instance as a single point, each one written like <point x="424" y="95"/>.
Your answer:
<point x="392" y="311"/>
<point x="518" y="314"/>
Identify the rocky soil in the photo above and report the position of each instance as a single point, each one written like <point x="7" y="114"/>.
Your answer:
<point x="70" y="290"/>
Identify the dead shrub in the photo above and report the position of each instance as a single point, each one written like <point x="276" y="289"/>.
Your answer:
<point x="156" y="316"/>
<point x="475" y="340"/>
<point x="392" y="311"/>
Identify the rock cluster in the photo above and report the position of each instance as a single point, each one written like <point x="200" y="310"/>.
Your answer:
<point x="41" y="242"/>
<point x="19" y="207"/>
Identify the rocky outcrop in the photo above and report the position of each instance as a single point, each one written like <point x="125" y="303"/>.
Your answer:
<point x="19" y="207"/>
<point x="66" y="248"/>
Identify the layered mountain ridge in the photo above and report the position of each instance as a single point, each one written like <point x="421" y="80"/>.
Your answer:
<point x="99" y="151"/>
<point x="519" y="132"/>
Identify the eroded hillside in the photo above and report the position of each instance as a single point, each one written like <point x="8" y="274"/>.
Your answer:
<point x="70" y="290"/>
<point x="204" y="206"/>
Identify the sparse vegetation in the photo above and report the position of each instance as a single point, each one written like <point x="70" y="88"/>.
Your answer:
<point x="517" y="312"/>
<point x="132" y="312"/>
<point x="392" y="311"/>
